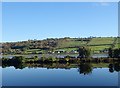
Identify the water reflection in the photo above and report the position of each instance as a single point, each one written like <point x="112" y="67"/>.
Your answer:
<point x="114" y="67"/>
<point x="83" y="68"/>
<point x="60" y="74"/>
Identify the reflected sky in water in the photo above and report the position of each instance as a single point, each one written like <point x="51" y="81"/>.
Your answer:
<point x="58" y="77"/>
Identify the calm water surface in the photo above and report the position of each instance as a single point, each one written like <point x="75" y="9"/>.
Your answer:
<point x="58" y="77"/>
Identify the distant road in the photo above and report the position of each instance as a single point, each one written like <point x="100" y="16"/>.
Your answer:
<point x="54" y="55"/>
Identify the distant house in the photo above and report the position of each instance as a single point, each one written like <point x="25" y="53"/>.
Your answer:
<point x="50" y="52"/>
<point x="73" y="51"/>
<point x="59" y="51"/>
<point x="104" y="51"/>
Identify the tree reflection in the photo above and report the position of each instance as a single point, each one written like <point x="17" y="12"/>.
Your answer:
<point x="117" y="67"/>
<point x="85" y="68"/>
<point x="19" y="66"/>
<point x="111" y="68"/>
<point x="114" y="67"/>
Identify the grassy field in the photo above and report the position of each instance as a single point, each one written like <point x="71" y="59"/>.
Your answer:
<point x="98" y="48"/>
<point x="101" y="41"/>
<point x="117" y="44"/>
<point x="98" y="44"/>
<point x="95" y="44"/>
<point x="70" y="43"/>
<point x="30" y="51"/>
<point x="66" y="49"/>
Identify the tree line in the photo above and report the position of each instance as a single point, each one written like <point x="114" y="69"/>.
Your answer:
<point x="114" y="53"/>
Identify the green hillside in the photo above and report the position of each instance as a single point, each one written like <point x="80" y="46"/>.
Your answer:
<point x="68" y="45"/>
<point x="71" y="43"/>
<point x="95" y="44"/>
<point x="117" y="43"/>
<point x="99" y="44"/>
<point x="101" y="41"/>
